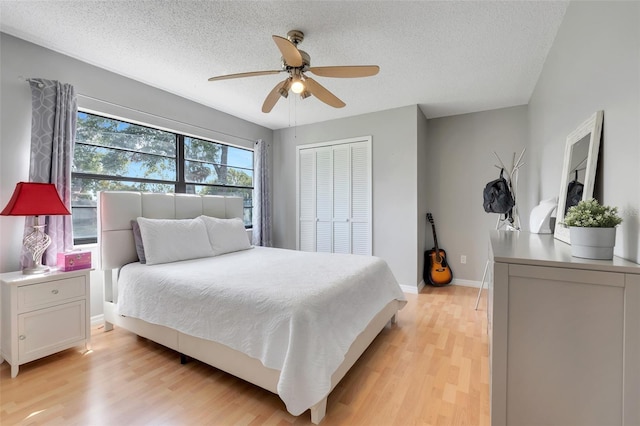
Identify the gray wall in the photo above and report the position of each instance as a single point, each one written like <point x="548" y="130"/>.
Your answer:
<point x="594" y="64"/>
<point x="460" y="162"/>
<point x="394" y="153"/>
<point x="19" y="58"/>
<point x="422" y="159"/>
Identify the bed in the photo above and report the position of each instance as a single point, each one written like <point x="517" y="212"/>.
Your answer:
<point x="290" y="322"/>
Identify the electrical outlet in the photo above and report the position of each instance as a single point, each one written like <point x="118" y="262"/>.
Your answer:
<point x="463" y="259"/>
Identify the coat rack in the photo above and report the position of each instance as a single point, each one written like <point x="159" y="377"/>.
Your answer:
<point x="512" y="222"/>
<point x="509" y="222"/>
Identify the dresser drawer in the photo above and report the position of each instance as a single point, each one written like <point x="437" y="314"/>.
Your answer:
<point x="48" y="293"/>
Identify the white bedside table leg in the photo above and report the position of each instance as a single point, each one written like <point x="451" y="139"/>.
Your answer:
<point x="14" y="371"/>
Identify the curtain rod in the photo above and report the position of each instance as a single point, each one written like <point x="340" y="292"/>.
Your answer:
<point x="31" y="80"/>
<point x="165" y="118"/>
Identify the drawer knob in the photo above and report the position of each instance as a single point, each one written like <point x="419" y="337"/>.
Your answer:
<point x="22" y="337"/>
<point x="54" y="291"/>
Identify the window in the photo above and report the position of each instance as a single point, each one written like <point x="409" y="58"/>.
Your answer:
<point x="114" y="155"/>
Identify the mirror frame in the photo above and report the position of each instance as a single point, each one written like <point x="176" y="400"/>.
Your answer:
<point x="592" y="126"/>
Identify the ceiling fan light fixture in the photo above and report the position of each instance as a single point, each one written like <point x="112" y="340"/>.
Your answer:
<point x="297" y="86"/>
<point x="295" y="63"/>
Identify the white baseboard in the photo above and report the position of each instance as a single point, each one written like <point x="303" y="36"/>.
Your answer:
<point x="466" y="283"/>
<point x="409" y="289"/>
<point x="455" y="281"/>
<point x="97" y="320"/>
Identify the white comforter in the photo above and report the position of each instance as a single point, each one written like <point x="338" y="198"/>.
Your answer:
<point x="296" y="312"/>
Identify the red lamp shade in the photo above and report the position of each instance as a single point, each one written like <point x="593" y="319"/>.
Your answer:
<point x="35" y="199"/>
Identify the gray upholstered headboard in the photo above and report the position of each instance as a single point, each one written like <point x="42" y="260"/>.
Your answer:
<point x="116" y="209"/>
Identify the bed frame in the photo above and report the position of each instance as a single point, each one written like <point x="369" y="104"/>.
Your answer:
<point x="116" y="247"/>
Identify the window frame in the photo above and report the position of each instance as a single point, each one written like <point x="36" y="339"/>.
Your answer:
<point x="180" y="184"/>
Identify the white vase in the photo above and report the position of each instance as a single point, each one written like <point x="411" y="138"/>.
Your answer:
<point x="592" y="243"/>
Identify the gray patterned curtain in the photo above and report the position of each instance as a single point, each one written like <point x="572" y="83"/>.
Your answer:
<point x="53" y="129"/>
<point x="262" y="194"/>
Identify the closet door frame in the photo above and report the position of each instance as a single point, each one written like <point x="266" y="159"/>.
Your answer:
<point x="349" y="141"/>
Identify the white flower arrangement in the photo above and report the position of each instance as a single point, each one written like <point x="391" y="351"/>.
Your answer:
<point x="591" y="214"/>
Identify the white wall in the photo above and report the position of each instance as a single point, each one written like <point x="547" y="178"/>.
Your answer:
<point x="119" y="96"/>
<point x="461" y="162"/>
<point x="594" y="64"/>
<point x="394" y="135"/>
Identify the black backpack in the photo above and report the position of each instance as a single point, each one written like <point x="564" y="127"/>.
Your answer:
<point x="574" y="193"/>
<point x="497" y="196"/>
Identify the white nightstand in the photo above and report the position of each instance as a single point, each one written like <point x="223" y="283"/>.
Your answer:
<point x="43" y="314"/>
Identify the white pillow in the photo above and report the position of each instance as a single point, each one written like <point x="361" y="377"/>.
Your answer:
<point x="226" y="235"/>
<point x="171" y="240"/>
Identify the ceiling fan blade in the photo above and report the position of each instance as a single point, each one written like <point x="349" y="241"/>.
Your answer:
<point x="289" y="51"/>
<point x="273" y="97"/>
<point x="317" y="90"/>
<point x="244" y="74"/>
<point x="346" y="71"/>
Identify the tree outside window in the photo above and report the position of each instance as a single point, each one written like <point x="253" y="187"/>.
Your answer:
<point x="114" y="155"/>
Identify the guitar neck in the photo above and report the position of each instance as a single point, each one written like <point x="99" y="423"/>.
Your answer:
<point x="435" y="237"/>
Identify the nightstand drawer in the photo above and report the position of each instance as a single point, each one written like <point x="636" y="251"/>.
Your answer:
<point x="38" y="295"/>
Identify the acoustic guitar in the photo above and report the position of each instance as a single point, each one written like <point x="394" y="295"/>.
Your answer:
<point x="436" y="269"/>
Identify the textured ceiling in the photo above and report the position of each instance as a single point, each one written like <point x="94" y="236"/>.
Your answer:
<point x="448" y="57"/>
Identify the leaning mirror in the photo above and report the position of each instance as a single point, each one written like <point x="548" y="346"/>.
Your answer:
<point x="578" y="170"/>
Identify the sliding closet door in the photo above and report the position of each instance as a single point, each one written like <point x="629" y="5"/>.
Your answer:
<point x="334" y="197"/>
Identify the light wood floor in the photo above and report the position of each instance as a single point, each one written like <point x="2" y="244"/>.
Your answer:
<point x="431" y="368"/>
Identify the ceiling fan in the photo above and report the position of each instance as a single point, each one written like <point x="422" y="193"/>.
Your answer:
<point x="296" y="62"/>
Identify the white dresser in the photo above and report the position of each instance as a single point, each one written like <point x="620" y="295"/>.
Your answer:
<point x="564" y="335"/>
<point x="43" y="314"/>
